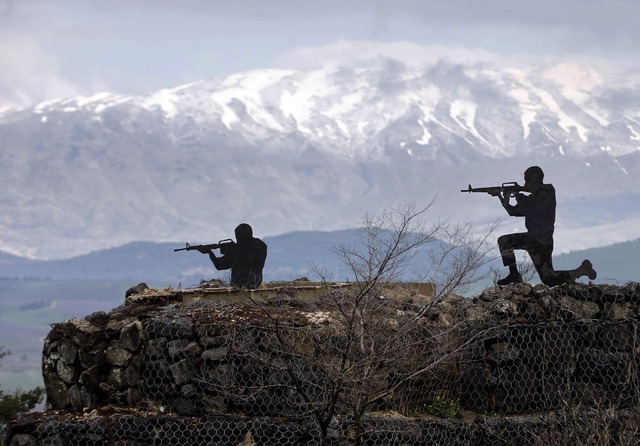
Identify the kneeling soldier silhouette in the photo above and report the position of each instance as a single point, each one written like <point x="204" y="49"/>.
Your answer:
<point x="538" y="208"/>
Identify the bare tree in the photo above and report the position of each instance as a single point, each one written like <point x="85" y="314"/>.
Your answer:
<point x="376" y="343"/>
<point x="370" y="348"/>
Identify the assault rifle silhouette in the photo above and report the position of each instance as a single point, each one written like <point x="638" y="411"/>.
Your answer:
<point x="510" y="188"/>
<point x="223" y="245"/>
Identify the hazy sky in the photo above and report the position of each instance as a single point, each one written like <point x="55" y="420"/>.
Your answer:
<point x="58" y="48"/>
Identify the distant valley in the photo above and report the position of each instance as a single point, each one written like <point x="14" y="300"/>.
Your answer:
<point x="290" y="256"/>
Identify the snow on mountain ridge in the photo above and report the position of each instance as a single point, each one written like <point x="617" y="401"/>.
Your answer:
<point x="95" y="103"/>
<point x="325" y="104"/>
<point x="349" y="107"/>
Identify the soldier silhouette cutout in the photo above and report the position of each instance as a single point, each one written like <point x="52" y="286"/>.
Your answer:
<point x="538" y="208"/>
<point x="245" y="258"/>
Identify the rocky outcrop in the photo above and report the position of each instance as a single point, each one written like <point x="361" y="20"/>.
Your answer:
<point x="512" y="351"/>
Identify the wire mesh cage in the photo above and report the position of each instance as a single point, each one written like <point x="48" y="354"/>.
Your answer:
<point x="527" y="365"/>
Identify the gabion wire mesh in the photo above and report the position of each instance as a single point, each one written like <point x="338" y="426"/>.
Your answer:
<point x="237" y="378"/>
<point x="517" y="369"/>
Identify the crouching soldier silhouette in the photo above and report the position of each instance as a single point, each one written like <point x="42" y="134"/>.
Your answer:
<point x="539" y="211"/>
<point x="245" y="258"/>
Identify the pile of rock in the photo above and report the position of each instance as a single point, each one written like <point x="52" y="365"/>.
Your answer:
<point x="527" y="349"/>
<point x="538" y="346"/>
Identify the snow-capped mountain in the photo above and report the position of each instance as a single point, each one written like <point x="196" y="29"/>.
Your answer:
<point x="289" y="150"/>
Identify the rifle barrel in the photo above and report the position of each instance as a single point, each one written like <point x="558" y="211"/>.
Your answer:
<point x="186" y="248"/>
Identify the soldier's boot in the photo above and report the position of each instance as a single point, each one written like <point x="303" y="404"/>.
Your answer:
<point x="513" y="277"/>
<point x="586" y="269"/>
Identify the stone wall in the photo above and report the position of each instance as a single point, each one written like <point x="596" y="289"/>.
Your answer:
<point x="518" y="350"/>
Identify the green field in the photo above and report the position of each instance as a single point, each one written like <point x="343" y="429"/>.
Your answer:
<point x="29" y="307"/>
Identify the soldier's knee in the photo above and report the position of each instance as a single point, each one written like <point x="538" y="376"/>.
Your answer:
<point x="503" y="240"/>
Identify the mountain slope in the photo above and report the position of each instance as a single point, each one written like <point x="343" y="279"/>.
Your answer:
<point x="290" y="256"/>
<point x="617" y="263"/>
<point x="290" y="150"/>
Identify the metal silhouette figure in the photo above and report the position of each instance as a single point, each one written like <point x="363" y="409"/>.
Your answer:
<point x="246" y="257"/>
<point x="539" y="211"/>
<point x="538" y="207"/>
